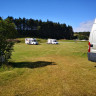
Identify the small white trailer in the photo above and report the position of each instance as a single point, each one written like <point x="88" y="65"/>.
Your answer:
<point x="31" y="41"/>
<point x="92" y="44"/>
<point x="52" y="41"/>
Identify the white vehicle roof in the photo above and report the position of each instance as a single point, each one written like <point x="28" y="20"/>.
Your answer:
<point x="92" y="32"/>
<point x="31" y="38"/>
<point x="94" y="26"/>
<point x="51" y="39"/>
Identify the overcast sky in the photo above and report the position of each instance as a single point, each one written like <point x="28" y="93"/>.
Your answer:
<point x="80" y="14"/>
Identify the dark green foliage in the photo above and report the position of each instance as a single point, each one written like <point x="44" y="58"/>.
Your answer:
<point x="39" y="29"/>
<point x="7" y="31"/>
<point x="0" y="18"/>
<point x="5" y="49"/>
<point x="82" y="35"/>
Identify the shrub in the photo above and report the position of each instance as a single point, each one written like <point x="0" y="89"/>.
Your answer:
<point x="7" y="31"/>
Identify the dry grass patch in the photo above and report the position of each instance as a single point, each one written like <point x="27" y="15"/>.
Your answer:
<point x="49" y="71"/>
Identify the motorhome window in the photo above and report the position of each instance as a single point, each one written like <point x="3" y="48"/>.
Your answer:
<point x="54" y="41"/>
<point x="33" y="40"/>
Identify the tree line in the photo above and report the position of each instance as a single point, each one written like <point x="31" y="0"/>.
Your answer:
<point x="82" y="35"/>
<point x="39" y="29"/>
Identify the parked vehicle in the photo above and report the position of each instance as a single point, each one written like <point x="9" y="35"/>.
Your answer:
<point x="92" y="44"/>
<point x="31" y="41"/>
<point x="52" y="41"/>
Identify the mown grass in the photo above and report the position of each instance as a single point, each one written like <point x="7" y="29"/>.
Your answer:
<point x="49" y="70"/>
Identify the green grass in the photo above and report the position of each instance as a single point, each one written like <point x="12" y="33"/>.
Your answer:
<point x="49" y="70"/>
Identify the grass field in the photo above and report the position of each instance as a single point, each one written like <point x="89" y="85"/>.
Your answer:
<point x="49" y="70"/>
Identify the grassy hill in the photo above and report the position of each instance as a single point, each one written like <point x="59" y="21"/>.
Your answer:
<point x="49" y="70"/>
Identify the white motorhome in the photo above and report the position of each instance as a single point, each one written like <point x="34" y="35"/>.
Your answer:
<point x="92" y="44"/>
<point x="31" y="41"/>
<point x="52" y="41"/>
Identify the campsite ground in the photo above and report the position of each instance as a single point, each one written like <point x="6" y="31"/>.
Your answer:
<point x="49" y="70"/>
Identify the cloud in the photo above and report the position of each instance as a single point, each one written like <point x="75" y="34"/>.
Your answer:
<point x="84" y="26"/>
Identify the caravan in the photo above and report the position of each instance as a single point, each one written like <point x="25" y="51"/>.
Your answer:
<point x="31" y="41"/>
<point x="92" y="44"/>
<point x="52" y="41"/>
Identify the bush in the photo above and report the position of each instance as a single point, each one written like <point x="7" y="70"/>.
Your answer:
<point x="7" y="31"/>
<point x="82" y="37"/>
<point x="6" y="48"/>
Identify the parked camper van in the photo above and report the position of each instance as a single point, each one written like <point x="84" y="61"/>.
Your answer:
<point x="52" y="41"/>
<point x="31" y="41"/>
<point x="92" y="44"/>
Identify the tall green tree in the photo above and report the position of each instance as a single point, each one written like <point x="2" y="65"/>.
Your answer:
<point x="7" y="31"/>
<point x="37" y="28"/>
